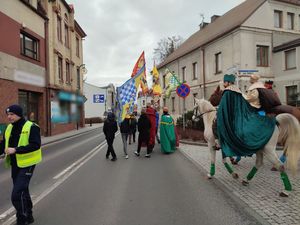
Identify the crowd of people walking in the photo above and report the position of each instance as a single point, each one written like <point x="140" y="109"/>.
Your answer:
<point x="150" y="128"/>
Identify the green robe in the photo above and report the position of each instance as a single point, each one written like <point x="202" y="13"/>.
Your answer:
<point x="167" y="134"/>
<point x="241" y="130"/>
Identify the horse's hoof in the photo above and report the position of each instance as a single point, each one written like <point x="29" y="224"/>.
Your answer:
<point x="245" y="183"/>
<point x="235" y="176"/>
<point x="209" y="176"/>
<point x="284" y="194"/>
<point x="274" y="169"/>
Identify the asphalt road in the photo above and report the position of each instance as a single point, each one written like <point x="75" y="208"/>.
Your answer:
<point x="76" y="185"/>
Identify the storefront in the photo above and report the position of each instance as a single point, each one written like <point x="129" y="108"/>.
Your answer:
<point x="66" y="112"/>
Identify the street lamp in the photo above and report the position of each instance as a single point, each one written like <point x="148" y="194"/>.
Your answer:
<point x="84" y="71"/>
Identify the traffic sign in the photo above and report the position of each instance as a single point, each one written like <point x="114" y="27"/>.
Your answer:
<point x="183" y="90"/>
<point x="98" y="98"/>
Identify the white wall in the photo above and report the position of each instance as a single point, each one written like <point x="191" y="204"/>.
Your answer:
<point x="93" y="109"/>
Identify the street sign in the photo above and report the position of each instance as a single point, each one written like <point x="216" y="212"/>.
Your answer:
<point x="183" y="90"/>
<point x="98" y="98"/>
<point x="247" y="72"/>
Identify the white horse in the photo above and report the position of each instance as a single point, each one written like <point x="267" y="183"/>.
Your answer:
<point x="208" y="112"/>
<point x="286" y="133"/>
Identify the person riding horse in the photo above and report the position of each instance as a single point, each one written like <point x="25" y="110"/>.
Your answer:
<point x="238" y="123"/>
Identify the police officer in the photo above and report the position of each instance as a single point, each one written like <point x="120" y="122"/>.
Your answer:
<point x="22" y="147"/>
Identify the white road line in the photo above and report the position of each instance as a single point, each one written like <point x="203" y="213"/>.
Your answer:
<point x="59" y="181"/>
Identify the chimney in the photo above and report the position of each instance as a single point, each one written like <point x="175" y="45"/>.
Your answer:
<point x="213" y="18"/>
<point x="202" y="25"/>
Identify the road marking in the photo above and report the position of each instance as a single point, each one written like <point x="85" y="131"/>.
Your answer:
<point x="61" y="177"/>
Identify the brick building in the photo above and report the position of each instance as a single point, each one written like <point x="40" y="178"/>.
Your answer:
<point x="23" y="60"/>
<point x="41" y="63"/>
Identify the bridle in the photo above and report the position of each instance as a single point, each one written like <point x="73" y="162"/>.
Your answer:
<point x="201" y="114"/>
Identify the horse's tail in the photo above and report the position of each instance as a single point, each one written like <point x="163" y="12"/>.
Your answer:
<point x="289" y="136"/>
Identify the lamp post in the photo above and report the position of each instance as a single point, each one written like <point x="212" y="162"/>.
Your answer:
<point x="84" y="71"/>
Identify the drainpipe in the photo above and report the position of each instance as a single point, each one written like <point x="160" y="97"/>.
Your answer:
<point x="203" y="72"/>
<point x="48" y="106"/>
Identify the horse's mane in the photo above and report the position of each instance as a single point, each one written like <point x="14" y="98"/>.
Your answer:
<point x="206" y="106"/>
<point x="215" y="98"/>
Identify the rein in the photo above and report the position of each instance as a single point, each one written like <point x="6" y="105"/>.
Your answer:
<point x="213" y="110"/>
<point x="196" y="113"/>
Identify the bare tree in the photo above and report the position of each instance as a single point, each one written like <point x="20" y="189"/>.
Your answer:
<point x="165" y="47"/>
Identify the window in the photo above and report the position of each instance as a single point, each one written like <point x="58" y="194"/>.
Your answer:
<point x="195" y="71"/>
<point x="292" y="96"/>
<point x="29" y="46"/>
<point x="290" y="21"/>
<point x="78" y="78"/>
<point x="262" y="55"/>
<point x="60" y="68"/>
<point x="290" y="59"/>
<point x="218" y="61"/>
<point x="183" y="73"/>
<point x="77" y="46"/>
<point x="173" y="104"/>
<point x="68" y="79"/>
<point x="30" y="104"/>
<point x="59" y="28"/>
<point x="278" y="19"/>
<point x="67" y="44"/>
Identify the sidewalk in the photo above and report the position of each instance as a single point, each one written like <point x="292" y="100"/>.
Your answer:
<point x="262" y="194"/>
<point x="54" y="138"/>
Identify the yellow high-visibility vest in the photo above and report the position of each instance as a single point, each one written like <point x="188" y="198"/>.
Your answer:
<point x="26" y="159"/>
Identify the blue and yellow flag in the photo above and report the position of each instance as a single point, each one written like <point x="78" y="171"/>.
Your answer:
<point x="127" y="94"/>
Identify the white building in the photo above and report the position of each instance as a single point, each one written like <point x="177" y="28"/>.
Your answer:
<point x="243" y="38"/>
<point x="99" y="100"/>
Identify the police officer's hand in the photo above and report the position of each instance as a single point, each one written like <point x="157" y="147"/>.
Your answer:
<point x="10" y="151"/>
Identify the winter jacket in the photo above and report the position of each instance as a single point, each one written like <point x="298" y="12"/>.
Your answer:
<point x="110" y="127"/>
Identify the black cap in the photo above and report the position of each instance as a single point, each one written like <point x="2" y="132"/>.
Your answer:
<point x="15" y="109"/>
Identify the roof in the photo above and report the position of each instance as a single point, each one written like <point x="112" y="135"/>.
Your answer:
<point x="224" y="24"/>
<point x="287" y="45"/>
<point x="79" y="30"/>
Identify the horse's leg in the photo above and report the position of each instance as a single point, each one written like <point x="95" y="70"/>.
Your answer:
<point x="212" y="162"/>
<point x="258" y="164"/>
<point x="228" y="167"/>
<point x="270" y="153"/>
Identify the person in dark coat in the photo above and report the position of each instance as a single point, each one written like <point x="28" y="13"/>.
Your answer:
<point x="110" y="127"/>
<point x="125" y="130"/>
<point x="132" y="125"/>
<point x="144" y="127"/>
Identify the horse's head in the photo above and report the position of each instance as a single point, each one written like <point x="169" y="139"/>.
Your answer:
<point x="215" y="98"/>
<point x="201" y="107"/>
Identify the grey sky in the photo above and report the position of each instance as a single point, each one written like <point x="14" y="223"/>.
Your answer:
<point x="118" y="31"/>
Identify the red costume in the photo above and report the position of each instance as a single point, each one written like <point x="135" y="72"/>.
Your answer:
<point x="151" y="116"/>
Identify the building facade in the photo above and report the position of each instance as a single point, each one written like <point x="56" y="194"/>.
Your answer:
<point x="65" y="68"/>
<point x="287" y="65"/>
<point x="99" y="100"/>
<point x="41" y="63"/>
<point x="23" y="60"/>
<point x="243" y="39"/>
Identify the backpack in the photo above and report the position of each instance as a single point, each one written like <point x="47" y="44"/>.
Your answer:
<point x="268" y="99"/>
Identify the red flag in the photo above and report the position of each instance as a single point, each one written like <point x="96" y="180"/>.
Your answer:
<point x="138" y="65"/>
